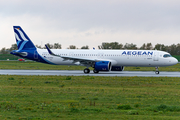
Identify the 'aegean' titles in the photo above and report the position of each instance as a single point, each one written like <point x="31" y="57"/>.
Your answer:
<point x="137" y="53"/>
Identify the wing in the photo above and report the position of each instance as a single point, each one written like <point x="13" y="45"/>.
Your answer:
<point x="83" y="61"/>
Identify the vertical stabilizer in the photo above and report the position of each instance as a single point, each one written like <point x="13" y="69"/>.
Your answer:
<point x="22" y="40"/>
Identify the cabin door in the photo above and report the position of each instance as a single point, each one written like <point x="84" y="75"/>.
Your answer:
<point x="71" y="54"/>
<point x="101" y="55"/>
<point x="156" y="56"/>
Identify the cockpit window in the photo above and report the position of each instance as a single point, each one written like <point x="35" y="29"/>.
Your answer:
<point x="166" y="55"/>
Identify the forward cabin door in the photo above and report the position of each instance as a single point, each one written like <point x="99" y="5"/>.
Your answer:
<point x="156" y="56"/>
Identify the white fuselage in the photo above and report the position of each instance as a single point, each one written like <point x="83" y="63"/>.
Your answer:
<point x="149" y="58"/>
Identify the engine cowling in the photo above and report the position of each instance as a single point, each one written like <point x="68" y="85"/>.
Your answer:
<point x="117" y="68"/>
<point x="102" y="66"/>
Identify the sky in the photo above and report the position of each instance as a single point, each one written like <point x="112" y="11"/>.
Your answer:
<point x="91" y="22"/>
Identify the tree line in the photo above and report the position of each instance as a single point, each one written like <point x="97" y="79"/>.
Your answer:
<point x="172" y="49"/>
<point x="51" y="46"/>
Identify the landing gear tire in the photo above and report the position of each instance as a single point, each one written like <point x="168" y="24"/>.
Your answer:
<point x="86" y="71"/>
<point x="95" y="71"/>
<point x="157" y="71"/>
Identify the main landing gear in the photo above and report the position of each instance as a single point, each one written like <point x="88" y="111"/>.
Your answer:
<point x="157" y="71"/>
<point x="86" y="70"/>
<point x="95" y="71"/>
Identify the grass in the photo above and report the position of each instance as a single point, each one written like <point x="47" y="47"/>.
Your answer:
<point x="168" y="68"/>
<point x="40" y="66"/>
<point x="177" y="57"/>
<point x="88" y="97"/>
<point x="8" y="56"/>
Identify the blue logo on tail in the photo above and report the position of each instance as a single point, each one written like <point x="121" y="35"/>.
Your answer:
<point x="22" y="40"/>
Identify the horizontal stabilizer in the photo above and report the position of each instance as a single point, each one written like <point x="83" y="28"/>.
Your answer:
<point x="19" y="53"/>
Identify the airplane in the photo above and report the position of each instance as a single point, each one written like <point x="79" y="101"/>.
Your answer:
<point x="100" y="60"/>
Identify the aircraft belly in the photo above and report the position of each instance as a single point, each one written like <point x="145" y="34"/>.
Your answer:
<point x="59" y="61"/>
<point x="62" y="62"/>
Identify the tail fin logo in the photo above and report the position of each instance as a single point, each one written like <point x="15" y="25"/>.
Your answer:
<point x="22" y="40"/>
<point x="21" y="34"/>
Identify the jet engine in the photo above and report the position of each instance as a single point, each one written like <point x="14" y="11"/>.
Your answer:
<point x="102" y="66"/>
<point x="117" y="68"/>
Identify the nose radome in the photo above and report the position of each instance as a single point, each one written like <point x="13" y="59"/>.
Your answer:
<point x="175" y="61"/>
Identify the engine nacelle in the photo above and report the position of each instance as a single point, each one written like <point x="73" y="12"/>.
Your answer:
<point x="117" y="68"/>
<point x="102" y="66"/>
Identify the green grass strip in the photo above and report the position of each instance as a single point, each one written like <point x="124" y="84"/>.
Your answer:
<point x="88" y="97"/>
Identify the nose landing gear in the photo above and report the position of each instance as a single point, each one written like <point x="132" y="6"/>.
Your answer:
<point x="157" y="71"/>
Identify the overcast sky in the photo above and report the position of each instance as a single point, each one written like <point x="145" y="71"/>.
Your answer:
<point x="91" y="22"/>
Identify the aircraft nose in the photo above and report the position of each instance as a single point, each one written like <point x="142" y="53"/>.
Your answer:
<point x="175" y="61"/>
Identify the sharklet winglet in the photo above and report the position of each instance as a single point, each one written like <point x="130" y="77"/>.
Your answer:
<point x="50" y="52"/>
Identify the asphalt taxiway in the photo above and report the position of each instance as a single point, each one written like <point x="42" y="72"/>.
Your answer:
<point x="81" y="73"/>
